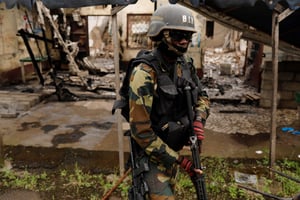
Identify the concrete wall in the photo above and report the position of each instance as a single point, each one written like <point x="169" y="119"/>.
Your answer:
<point x="288" y="84"/>
<point x="218" y="38"/>
<point x="9" y="43"/>
<point x="12" y="47"/>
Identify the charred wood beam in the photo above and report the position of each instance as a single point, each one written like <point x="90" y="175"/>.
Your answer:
<point x="70" y="55"/>
<point x="34" y="62"/>
<point x="264" y="38"/>
<point x="116" y="9"/>
<point x="31" y="35"/>
<point x="285" y="14"/>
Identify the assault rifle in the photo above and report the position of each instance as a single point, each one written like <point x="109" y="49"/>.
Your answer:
<point x="139" y="188"/>
<point x="198" y="179"/>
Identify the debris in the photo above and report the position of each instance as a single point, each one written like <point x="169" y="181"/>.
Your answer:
<point x="290" y="130"/>
<point x="245" y="178"/>
<point x="259" y="152"/>
<point x="234" y="111"/>
<point x="252" y="96"/>
<point x="225" y="69"/>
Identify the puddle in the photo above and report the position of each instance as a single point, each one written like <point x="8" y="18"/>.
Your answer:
<point x="67" y="138"/>
<point x="48" y="128"/>
<point x="103" y="125"/>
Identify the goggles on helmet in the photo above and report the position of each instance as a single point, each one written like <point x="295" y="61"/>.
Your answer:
<point x="178" y="35"/>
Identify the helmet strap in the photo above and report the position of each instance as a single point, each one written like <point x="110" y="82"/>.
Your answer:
<point x="168" y="41"/>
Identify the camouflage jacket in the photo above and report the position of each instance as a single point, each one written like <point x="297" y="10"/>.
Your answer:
<point x="143" y="84"/>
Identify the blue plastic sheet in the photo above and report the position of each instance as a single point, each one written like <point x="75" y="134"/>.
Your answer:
<point x="290" y="130"/>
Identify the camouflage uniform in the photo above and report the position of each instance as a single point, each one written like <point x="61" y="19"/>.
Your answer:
<point x="163" y="168"/>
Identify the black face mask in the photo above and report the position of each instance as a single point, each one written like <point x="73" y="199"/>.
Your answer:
<point x="163" y="47"/>
<point x="178" y="35"/>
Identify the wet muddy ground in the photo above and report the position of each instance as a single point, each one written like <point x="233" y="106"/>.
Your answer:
<point x="54" y="135"/>
<point x="52" y="132"/>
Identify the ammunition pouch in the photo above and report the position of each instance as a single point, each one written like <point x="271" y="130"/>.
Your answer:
<point x="175" y="134"/>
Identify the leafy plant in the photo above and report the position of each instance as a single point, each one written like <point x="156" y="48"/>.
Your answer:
<point x="220" y="181"/>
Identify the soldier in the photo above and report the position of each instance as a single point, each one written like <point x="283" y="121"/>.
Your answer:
<point x="158" y="107"/>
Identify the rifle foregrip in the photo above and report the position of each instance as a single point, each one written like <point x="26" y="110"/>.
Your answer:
<point x="199" y="182"/>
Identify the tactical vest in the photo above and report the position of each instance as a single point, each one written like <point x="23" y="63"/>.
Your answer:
<point x="169" y="114"/>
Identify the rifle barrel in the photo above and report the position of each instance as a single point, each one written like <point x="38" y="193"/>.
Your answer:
<point x="199" y="179"/>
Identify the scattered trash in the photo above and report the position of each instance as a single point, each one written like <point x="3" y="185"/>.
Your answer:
<point x="290" y="130"/>
<point x="245" y="178"/>
<point x="296" y="132"/>
<point x="287" y="129"/>
<point x="259" y="152"/>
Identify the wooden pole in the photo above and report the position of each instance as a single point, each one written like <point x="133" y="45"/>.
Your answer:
<point x="107" y="195"/>
<point x="275" y="39"/>
<point x="116" y="44"/>
<point x="1" y="151"/>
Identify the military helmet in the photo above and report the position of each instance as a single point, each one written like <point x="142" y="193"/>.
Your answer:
<point x="171" y="16"/>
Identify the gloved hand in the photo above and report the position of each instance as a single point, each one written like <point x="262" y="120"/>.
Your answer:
<point x="198" y="129"/>
<point x="187" y="165"/>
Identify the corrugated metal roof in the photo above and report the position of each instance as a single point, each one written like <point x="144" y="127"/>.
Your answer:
<point x="254" y="19"/>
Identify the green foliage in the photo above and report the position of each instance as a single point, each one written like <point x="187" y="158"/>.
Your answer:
<point x="290" y="169"/>
<point x="219" y="177"/>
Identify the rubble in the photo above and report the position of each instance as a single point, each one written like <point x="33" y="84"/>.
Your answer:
<point x="235" y="104"/>
<point x="246" y="119"/>
<point x="13" y="103"/>
<point x="226" y="84"/>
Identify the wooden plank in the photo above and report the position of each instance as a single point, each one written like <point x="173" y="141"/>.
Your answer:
<point x="247" y="32"/>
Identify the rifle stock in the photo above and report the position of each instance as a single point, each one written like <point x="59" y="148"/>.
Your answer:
<point x="198" y="179"/>
<point x="139" y="188"/>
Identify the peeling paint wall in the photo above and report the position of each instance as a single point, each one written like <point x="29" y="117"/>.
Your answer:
<point x="8" y="40"/>
<point x="12" y="47"/>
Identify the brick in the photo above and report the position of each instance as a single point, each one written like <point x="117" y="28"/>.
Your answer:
<point x="287" y="104"/>
<point x="267" y="85"/>
<point x="265" y="103"/>
<point x="287" y="95"/>
<point x="286" y="76"/>
<point x="290" y="86"/>
<point x="297" y="77"/>
<point x="267" y="75"/>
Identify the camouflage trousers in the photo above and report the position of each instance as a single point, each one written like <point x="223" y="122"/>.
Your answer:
<point x="161" y="181"/>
